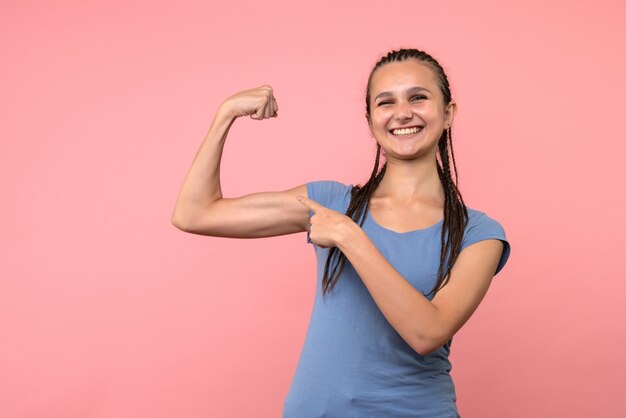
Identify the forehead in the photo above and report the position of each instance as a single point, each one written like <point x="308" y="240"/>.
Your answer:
<point x="396" y="76"/>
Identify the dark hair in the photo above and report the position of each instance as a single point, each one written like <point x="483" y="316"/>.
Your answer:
<point x="455" y="211"/>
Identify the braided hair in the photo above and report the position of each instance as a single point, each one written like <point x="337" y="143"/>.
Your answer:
<point x="455" y="211"/>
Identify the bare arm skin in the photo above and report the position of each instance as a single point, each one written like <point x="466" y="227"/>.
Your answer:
<point x="202" y="209"/>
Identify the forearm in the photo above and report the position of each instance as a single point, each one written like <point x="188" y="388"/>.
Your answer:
<point x="202" y="185"/>
<point x="410" y="313"/>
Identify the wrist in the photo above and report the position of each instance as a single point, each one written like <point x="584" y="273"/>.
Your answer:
<point x="351" y="234"/>
<point x="225" y="114"/>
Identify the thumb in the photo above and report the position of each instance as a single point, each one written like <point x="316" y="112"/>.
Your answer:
<point x="259" y="113"/>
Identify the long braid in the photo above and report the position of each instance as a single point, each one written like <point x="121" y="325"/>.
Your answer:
<point x="357" y="210"/>
<point x="452" y="223"/>
<point x="455" y="211"/>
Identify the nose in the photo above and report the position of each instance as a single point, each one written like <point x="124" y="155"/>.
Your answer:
<point x="403" y="112"/>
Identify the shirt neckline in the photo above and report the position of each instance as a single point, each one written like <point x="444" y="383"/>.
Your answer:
<point x="391" y="231"/>
<point x="415" y="231"/>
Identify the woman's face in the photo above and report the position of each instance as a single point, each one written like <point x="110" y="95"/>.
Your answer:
<point x="407" y="113"/>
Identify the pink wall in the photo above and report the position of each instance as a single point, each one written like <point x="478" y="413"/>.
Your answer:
<point x="107" y="310"/>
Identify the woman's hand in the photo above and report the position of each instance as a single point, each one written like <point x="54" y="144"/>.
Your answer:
<point x="259" y="103"/>
<point x="327" y="227"/>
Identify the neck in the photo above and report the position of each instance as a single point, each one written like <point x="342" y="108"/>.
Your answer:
<point x="411" y="180"/>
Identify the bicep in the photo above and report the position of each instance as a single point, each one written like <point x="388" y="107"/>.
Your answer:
<point x="468" y="283"/>
<point x="255" y="215"/>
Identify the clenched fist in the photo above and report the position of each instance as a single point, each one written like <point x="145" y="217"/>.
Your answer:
<point x="259" y="103"/>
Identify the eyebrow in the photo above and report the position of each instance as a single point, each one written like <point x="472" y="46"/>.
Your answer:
<point x="409" y="90"/>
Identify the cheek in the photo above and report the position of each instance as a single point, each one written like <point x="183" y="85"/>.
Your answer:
<point x="380" y="119"/>
<point x="435" y="112"/>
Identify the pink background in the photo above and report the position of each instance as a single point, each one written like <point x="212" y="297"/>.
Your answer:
<point x="107" y="310"/>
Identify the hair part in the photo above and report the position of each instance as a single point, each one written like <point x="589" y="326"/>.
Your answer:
<point x="455" y="211"/>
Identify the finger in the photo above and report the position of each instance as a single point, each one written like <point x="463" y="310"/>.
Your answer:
<point x="259" y="113"/>
<point x="311" y="204"/>
<point x="265" y="104"/>
<point x="267" y="113"/>
<point x="272" y="109"/>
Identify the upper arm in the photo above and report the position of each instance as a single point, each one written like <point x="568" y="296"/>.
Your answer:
<point x="256" y="215"/>
<point x="469" y="280"/>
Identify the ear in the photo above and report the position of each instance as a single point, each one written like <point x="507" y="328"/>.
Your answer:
<point x="451" y="110"/>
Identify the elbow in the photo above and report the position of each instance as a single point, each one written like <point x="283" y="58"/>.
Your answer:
<point x="423" y="348"/>
<point x="420" y="346"/>
<point x="194" y="219"/>
<point x="179" y="226"/>
<point x="426" y="350"/>
<point x="180" y="223"/>
<point x="426" y="345"/>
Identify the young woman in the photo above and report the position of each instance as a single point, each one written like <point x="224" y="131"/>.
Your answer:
<point x="402" y="262"/>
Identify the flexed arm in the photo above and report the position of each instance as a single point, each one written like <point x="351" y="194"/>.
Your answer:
<point x="201" y="207"/>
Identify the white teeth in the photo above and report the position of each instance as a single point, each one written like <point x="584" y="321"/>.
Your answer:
<point x="406" y="131"/>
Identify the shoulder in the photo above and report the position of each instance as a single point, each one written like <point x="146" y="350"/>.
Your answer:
<point x="478" y="219"/>
<point x="327" y="191"/>
<point x="480" y="226"/>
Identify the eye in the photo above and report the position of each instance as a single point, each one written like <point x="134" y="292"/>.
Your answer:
<point x="418" y="97"/>
<point x="385" y="102"/>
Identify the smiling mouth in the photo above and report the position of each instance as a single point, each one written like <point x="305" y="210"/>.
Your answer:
<point x="406" y="131"/>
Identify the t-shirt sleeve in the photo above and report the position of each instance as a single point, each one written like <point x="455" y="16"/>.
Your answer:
<point x="483" y="227"/>
<point x="323" y="192"/>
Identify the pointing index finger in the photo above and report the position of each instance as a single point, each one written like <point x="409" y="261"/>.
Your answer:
<point x="312" y="204"/>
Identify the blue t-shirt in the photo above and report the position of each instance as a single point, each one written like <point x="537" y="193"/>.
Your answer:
<point x="353" y="362"/>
